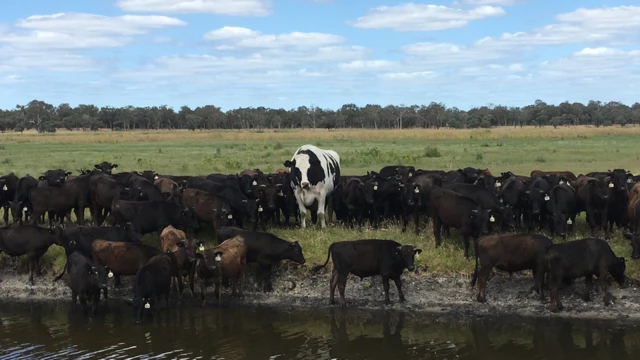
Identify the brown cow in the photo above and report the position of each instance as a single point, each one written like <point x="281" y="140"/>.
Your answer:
<point x="120" y="258"/>
<point x="169" y="188"/>
<point x="183" y="251"/>
<point x="208" y="208"/>
<point x="634" y="198"/>
<point x="225" y="261"/>
<point x="562" y="174"/>
<point x="252" y="173"/>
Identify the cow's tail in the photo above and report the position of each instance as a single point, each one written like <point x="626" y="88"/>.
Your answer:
<point x="318" y="267"/>
<point x="474" y="278"/>
<point x="64" y="269"/>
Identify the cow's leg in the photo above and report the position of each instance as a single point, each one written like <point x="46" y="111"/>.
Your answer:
<point x="602" y="276"/>
<point x="417" y="221"/>
<point x="303" y="214"/>
<point x="32" y="267"/>
<point x="465" y="237"/>
<point x="539" y="279"/>
<point x="5" y="216"/>
<point x="321" y="204"/>
<point x="218" y="290"/>
<point x="180" y="283"/>
<point x="95" y="302"/>
<point x="483" y="278"/>
<point x="556" y="279"/>
<point x="405" y="220"/>
<point x="385" y="285"/>
<point x="203" y="293"/>
<point x="192" y="282"/>
<point x="398" y="282"/>
<point x="268" y="286"/>
<point x="437" y="230"/>
<point x="588" y="281"/>
<point x="342" y="284"/>
<point x="74" y="299"/>
<point x="83" y="304"/>
<point x="332" y="287"/>
<point x="117" y="280"/>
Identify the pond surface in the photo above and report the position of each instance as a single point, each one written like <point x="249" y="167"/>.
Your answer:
<point x="51" y="330"/>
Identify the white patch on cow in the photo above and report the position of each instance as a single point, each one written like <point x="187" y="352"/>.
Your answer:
<point x="416" y="190"/>
<point x="260" y="209"/>
<point x="201" y="248"/>
<point x="110" y="274"/>
<point x="5" y="188"/>
<point x="492" y="219"/>
<point x="254" y="183"/>
<point x="229" y="216"/>
<point x="569" y="222"/>
<point x="375" y="187"/>
<point x="547" y="198"/>
<point x="498" y="184"/>
<point x="218" y="258"/>
<point x="156" y="177"/>
<point x="24" y="208"/>
<point x="147" y="306"/>
<point x="611" y="185"/>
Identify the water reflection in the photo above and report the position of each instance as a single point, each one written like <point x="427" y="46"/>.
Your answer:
<point x="37" y="330"/>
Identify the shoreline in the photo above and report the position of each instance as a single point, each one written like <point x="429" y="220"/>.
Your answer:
<point x="426" y="293"/>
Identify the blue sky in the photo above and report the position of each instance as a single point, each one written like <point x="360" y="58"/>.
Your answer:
<point x="287" y="53"/>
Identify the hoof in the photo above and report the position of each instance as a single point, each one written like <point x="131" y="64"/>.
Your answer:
<point x="481" y="299"/>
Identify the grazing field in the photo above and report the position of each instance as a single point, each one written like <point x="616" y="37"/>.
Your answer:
<point x="520" y="150"/>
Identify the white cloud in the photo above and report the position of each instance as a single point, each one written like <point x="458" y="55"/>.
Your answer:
<point x="489" y="2"/>
<point x="422" y="17"/>
<point x="417" y="75"/>
<point x="246" y="38"/>
<point x="594" y="63"/>
<point x="221" y="7"/>
<point x="366" y="65"/>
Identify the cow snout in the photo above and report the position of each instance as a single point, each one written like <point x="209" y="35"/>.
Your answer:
<point x="411" y="267"/>
<point x="305" y="185"/>
<point x="535" y="212"/>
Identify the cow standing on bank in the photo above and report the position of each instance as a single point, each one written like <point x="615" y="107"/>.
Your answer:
<point x="316" y="173"/>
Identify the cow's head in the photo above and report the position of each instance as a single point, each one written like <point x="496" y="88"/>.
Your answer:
<point x="480" y="219"/>
<point x="560" y="220"/>
<point x="106" y="167"/>
<point x="598" y="191"/>
<point x="368" y="191"/>
<point x="210" y="261"/>
<point x="267" y="194"/>
<point x="618" y="180"/>
<point x="222" y="216"/>
<point x="407" y="254"/>
<point x="183" y="252"/>
<point x="617" y="269"/>
<point x="469" y="174"/>
<point x="404" y="173"/>
<point x="294" y="253"/>
<point x="103" y="275"/>
<point x="411" y="194"/>
<point x="306" y="169"/>
<point x="17" y="209"/>
<point x="188" y="220"/>
<point x="537" y="200"/>
<point x="55" y="177"/>
<point x="507" y="217"/>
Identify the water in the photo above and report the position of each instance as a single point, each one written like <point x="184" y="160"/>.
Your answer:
<point x="51" y="331"/>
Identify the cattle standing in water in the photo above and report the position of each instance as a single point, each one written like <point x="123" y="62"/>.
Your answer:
<point x="183" y="250"/>
<point x="82" y="279"/>
<point x="586" y="257"/>
<point x="153" y="281"/>
<point x="450" y="209"/>
<point x="30" y="240"/>
<point x="510" y="253"/>
<point x="225" y="261"/>
<point x="366" y="258"/>
<point x="265" y="249"/>
<point x="316" y="173"/>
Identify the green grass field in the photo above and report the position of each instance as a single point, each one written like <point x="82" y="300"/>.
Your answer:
<point x="579" y="149"/>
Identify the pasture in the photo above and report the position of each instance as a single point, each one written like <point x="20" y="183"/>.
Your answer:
<point x="520" y="150"/>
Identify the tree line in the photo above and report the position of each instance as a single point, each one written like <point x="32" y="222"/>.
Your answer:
<point x="45" y="117"/>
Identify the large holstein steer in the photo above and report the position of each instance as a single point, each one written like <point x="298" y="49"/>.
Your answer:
<point x="30" y="240"/>
<point x="510" y="253"/>
<point x="265" y="249"/>
<point x="225" y="261"/>
<point x="586" y="257"/>
<point x="366" y="258"/>
<point x="316" y="173"/>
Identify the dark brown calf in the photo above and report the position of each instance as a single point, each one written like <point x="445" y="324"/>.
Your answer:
<point x="225" y="261"/>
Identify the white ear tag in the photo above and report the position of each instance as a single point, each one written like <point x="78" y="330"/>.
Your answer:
<point x="629" y="181"/>
<point x="416" y="190"/>
<point x="218" y="257"/>
<point x="375" y="187"/>
<point x="569" y="222"/>
<point x="24" y="208"/>
<point x="260" y="209"/>
<point x="611" y="185"/>
<point x="5" y="188"/>
<point x="492" y="219"/>
<point x="110" y="274"/>
<point x="501" y="201"/>
<point x="547" y="198"/>
<point x="254" y="183"/>
<point x="201" y="248"/>
<point x="156" y="177"/>
<point x="410" y="174"/>
<point x="229" y="216"/>
<point x="417" y="256"/>
<point x="147" y="306"/>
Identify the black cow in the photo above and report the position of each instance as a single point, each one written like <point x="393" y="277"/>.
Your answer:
<point x="106" y="167"/>
<point x="54" y="177"/>
<point x="366" y="258"/>
<point x="70" y="195"/>
<point x="537" y="197"/>
<point x="141" y="189"/>
<point x="80" y="238"/>
<point x="353" y="199"/>
<point x="593" y="198"/>
<point x="104" y="191"/>
<point x="467" y="175"/>
<point x="265" y="249"/>
<point x="83" y="281"/>
<point x="8" y="187"/>
<point x="29" y="240"/>
<point x="487" y="200"/>
<point x="510" y="253"/>
<point x="153" y="281"/>
<point x="618" y="198"/>
<point x="386" y="195"/>
<point x="635" y="235"/>
<point x="512" y="191"/>
<point x="401" y="173"/>
<point x="586" y="257"/>
<point x="240" y="204"/>
<point x="562" y="210"/>
<point x="21" y="204"/>
<point x="150" y="216"/>
<point x="411" y="199"/>
<point x="450" y="209"/>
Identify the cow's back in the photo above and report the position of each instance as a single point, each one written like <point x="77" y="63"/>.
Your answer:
<point x="122" y="258"/>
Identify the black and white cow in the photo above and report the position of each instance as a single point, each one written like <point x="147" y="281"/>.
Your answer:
<point x="315" y="174"/>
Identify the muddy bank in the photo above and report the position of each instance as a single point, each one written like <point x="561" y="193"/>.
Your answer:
<point x="427" y="293"/>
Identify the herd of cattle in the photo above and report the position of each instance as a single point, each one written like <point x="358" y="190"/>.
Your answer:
<point x="126" y="205"/>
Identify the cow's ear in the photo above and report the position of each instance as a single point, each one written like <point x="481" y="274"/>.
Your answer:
<point x="114" y="166"/>
<point x="290" y="163"/>
<point x="97" y="166"/>
<point x="417" y="251"/>
<point x="460" y="171"/>
<point x="68" y="173"/>
<point x="42" y="178"/>
<point x="399" y="249"/>
<point x="294" y="244"/>
<point x="622" y="259"/>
